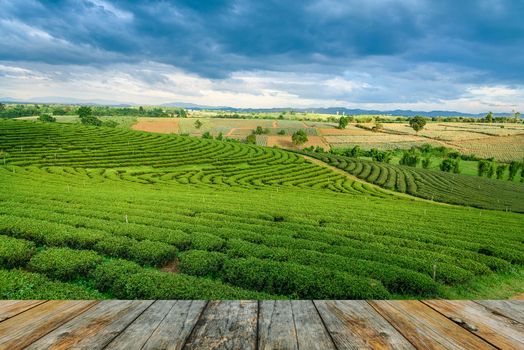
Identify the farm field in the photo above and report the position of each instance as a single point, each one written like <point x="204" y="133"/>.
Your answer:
<point x="504" y="142"/>
<point x="96" y="212"/>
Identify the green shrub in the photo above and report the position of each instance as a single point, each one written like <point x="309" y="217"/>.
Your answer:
<point x="106" y="274"/>
<point x="204" y="241"/>
<point x="18" y="284"/>
<point x="160" y="285"/>
<point x="64" y="263"/>
<point x="115" y="246"/>
<point x="152" y="253"/>
<point x="46" y="118"/>
<point x="15" y="252"/>
<point x="201" y="263"/>
<point x="299" y="281"/>
<point x="143" y="252"/>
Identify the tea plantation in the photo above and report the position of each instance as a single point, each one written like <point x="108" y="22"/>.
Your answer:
<point x="89" y="212"/>
<point x="432" y="184"/>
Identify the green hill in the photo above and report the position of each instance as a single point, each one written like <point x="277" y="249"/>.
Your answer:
<point x="100" y="212"/>
<point x="435" y="185"/>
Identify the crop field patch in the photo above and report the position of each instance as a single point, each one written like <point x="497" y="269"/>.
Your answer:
<point x="164" y="125"/>
<point x="503" y="148"/>
<point x="287" y="143"/>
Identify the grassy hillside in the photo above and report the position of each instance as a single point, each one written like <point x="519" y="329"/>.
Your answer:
<point x="434" y="185"/>
<point x="96" y="212"/>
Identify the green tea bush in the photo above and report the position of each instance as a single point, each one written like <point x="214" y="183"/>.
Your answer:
<point x="106" y="274"/>
<point x="115" y="246"/>
<point x="18" y="284"/>
<point x="160" y="285"/>
<point x="201" y="263"/>
<point x="15" y="252"/>
<point x="299" y="281"/>
<point x="64" y="263"/>
<point x="152" y="253"/>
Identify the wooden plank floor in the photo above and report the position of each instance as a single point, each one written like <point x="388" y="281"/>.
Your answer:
<point x="283" y="324"/>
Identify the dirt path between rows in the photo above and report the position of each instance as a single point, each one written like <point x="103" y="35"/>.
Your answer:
<point x="354" y="178"/>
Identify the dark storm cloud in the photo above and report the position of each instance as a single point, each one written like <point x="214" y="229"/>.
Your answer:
<point x="214" y="38"/>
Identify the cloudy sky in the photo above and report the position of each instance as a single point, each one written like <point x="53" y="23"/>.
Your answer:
<point x="465" y="55"/>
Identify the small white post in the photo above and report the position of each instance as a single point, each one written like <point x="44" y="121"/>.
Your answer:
<point x="127" y="221"/>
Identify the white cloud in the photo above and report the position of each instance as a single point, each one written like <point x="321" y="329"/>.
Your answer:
<point x="155" y="83"/>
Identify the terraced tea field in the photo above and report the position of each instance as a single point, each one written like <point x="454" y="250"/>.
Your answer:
<point x="90" y="212"/>
<point x="432" y="184"/>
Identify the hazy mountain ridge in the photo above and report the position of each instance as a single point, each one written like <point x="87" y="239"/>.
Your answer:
<point x="320" y="110"/>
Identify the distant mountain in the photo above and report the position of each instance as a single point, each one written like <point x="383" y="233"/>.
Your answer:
<point x="320" y="110"/>
<point x="336" y="110"/>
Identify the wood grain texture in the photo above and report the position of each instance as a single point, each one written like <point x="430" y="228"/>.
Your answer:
<point x="513" y="309"/>
<point x="276" y="326"/>
<point x="26" y="328"/>
<point x="137" y="334"/>
<point x="503" y="332"/>
<point x="96" y="328"/>
<point x="10" y="308"/>
<point x="226" y="325"/>
<point x="354" y="324"/>
<point x="311" y="333"/>
<point x="175" y="328"/>
<point x="425" y="328"/>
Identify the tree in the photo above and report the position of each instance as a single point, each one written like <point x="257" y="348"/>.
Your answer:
<point x="483" y="167"/>
<point x="377" y="127"/>
<point x="426" y="162"/>
<point x="198" y="124"/>
<point x="282" y="132"/>
<point x="500" y="171"/>
<point x="207" y="135"/>
<point x="91" y="120"/>
<point x="220" y="136"/>
<point x="489" y="117"/>
<point x="450" y="165"/>
<point x="517" y="116"/>
<point x="181" y="113"/>
<point x="491" y="170"/>
<point x="46" y="118"/>
<point x="410" y="158"/>
<point x="513" y="170"/>
<point x="299" y="137"/>
<point x="417" y="123"/>
<point x="2" y="107"/>
<point x="86" y="116"/>
<point x="260" y="130"/>
<point x="343" y="122"/>
<point x="251" y="139"/>
<point x="380" y="156"/>
<point x="84" y="112"/>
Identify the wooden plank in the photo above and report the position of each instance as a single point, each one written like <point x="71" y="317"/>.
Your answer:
<point x="226" y="325"/>
<point x="513" y="309"/>
<point x="137" y="333"/>
<point x="23" y="329"/>
<point x="311" y="333"/>
<point x="10" y="308"/>
<point x="425" y="328"/>
<point x="176" y="327"/>
<point x="503" y="332"/>
<point x="96" y="327"/>
<point x="276" y="327"/>
<point x="354" y="324"/>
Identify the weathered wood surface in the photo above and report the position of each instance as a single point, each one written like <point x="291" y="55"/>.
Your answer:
<point x="355" y="324"/>
<point x="282" y="324"/>
<point x="503" y="332"/>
